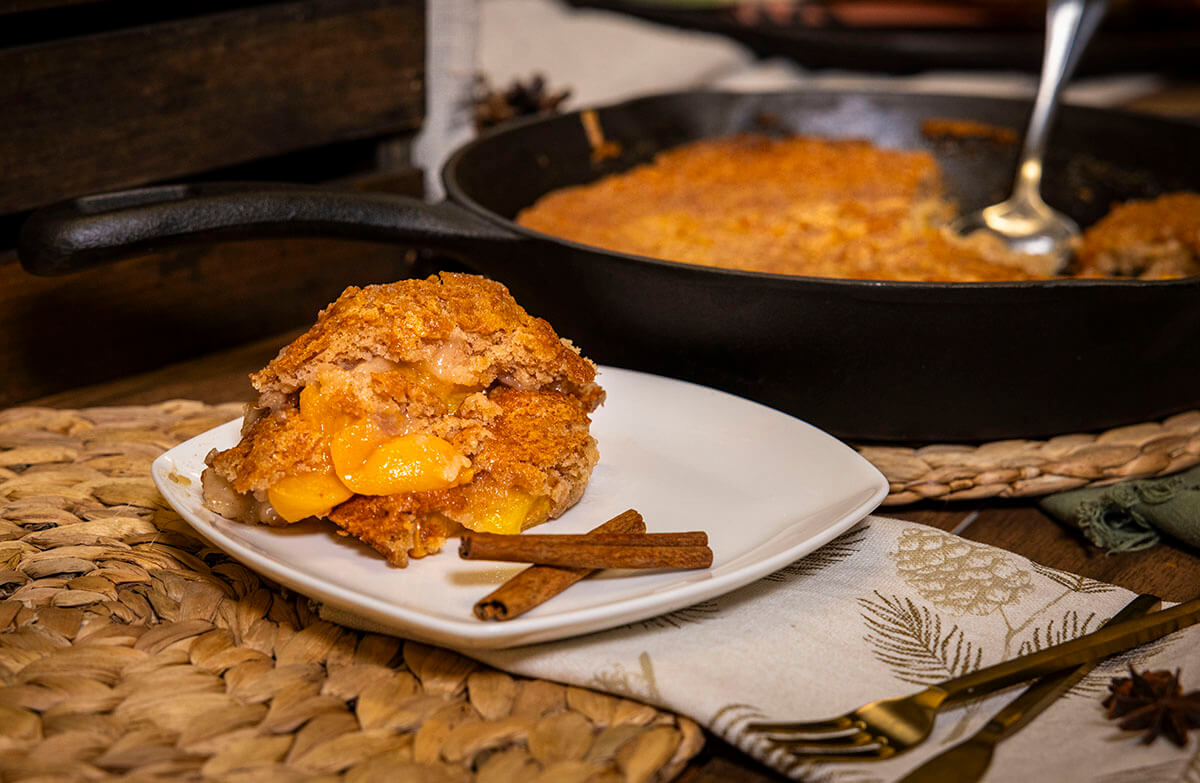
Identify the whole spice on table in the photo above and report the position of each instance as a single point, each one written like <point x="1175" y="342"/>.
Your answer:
<point x="643" y="550"/>
<point x="539" y="583"/>
<point x="494" y="106"/>
<point x="1154" y="702"/>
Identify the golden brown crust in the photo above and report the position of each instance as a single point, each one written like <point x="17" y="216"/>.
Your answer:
<point x="273" y="446"/>
<point x="1152" y="239"/>
<point x="959" y="128"/>
<point x="395" y="526"/>
<point x="540" y="443"/>
<point x="417" y="321"/>
<point x="799" y="205"/>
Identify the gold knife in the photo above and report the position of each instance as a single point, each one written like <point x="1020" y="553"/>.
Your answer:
<point x="967" y="761"/>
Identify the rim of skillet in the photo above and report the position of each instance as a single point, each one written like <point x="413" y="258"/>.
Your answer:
<point x="458" y="195"/>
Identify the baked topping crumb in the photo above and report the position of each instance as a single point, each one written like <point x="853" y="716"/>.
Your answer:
<point x="796" y="205"/>
<point x="1152" y="239"/>
<point x="836" y="208"/>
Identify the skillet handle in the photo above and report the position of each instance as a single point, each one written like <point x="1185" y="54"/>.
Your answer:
<point x="93" y="230"/>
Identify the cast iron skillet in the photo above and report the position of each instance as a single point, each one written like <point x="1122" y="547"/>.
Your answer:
<point x="866" y="360"/>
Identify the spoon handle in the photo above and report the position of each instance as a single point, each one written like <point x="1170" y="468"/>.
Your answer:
<point x="1069" y="26"/>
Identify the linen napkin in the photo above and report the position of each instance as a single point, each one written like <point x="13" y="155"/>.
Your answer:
<point x="885" y="609"/>
<point x="1130" y="516"/>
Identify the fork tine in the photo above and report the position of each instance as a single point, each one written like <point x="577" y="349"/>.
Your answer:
<point x="843" y="723"/>
<point x="858" y="739"/>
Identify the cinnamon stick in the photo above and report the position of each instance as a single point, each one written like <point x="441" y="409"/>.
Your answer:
<point x="538" y="584"/>
<point x="579" y="552"/>
<point x="527" y="541"/>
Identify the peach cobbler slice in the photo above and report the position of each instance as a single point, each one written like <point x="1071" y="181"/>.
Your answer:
<point x="410" y="410"/>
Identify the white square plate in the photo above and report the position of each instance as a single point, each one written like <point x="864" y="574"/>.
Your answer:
<point x="767" y="488"/>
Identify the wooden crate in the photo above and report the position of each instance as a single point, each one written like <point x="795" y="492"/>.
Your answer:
<point x="102" y="96"/>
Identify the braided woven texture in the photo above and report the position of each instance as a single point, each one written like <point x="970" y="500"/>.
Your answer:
<point x="1025" y="468"/>
<point x="130" y="648"/>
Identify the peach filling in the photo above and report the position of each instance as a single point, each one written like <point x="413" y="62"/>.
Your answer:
<point x="367" y="460"/>
<point x="448" y="392"/>
<point x="319" y="408"/>
<point x="511" y="512"/>
<point x="313" y="495"/>
<point x="370" y="463"/>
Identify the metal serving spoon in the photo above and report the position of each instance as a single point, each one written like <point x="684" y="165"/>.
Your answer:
<point x="1024" y="221"/>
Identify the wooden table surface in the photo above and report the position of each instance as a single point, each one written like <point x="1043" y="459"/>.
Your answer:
<point x="1018" y="526"/>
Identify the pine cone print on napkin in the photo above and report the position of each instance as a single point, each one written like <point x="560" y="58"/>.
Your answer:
<point x="957" y="575"/>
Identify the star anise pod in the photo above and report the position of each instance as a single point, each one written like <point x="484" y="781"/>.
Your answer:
<point x="519" y="99"/>
<point x="1153" y="702"/>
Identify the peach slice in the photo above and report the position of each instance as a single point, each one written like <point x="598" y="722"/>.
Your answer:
<point x="316" y="406"/>
<point x="513" y="512"/>
<point x="370" y="463"/>
<point x="312" y="495"/>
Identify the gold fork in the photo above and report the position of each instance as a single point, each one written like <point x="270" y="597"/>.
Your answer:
<point x="885" y="728"/>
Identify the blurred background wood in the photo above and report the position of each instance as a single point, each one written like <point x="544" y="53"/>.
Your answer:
<point x="104" y="96"/>
<point x="126" y="107"/>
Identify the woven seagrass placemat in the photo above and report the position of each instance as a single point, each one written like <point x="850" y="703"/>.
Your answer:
<point x="131" y="648"/>
<point x="1027" y="468"/>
